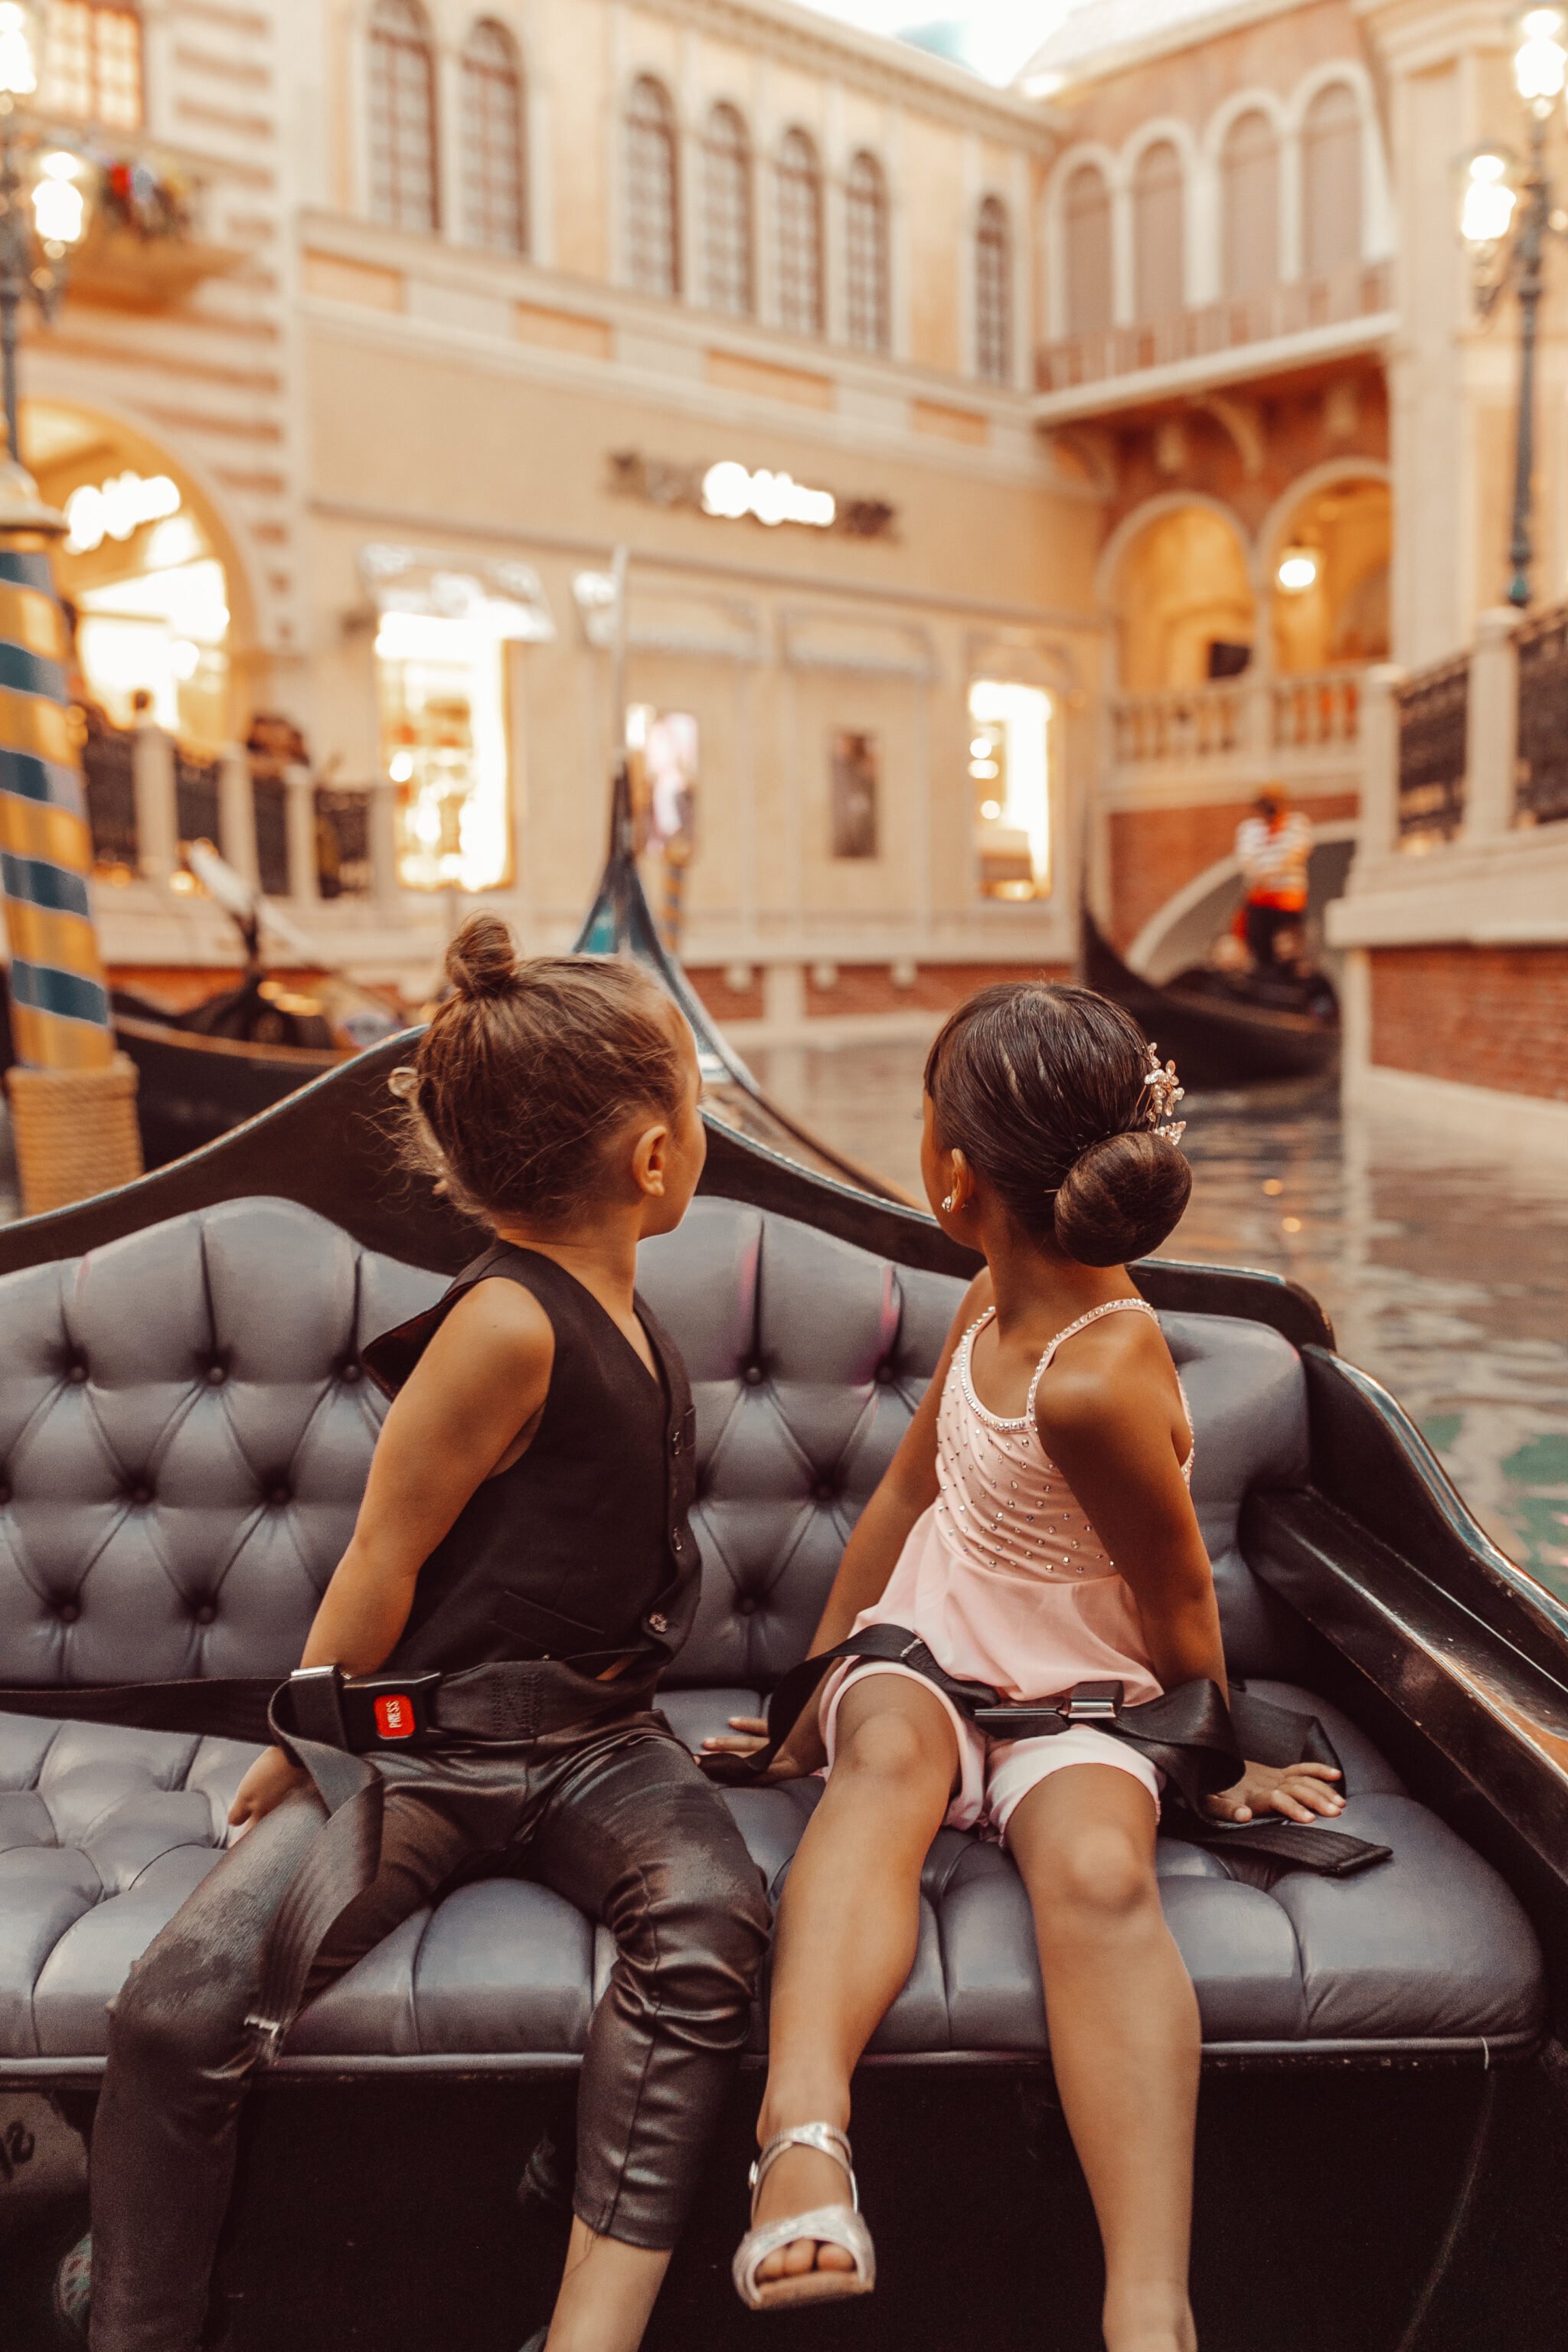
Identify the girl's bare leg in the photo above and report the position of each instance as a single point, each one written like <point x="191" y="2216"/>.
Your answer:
<point x="847" y="1932"/>
<point x="607" y="2293"/>
<point x="1123" y="2021"/>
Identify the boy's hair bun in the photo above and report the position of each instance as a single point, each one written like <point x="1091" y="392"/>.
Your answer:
<point x="1120" y="1198"/>
<point x="481" y="957"/>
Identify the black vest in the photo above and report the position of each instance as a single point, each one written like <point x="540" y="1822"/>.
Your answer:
<point x="581" y="1549"/>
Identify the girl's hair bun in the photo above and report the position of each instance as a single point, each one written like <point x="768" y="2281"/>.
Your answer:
<point x="481" y="957"/>
<point x="1120" y="1198"/>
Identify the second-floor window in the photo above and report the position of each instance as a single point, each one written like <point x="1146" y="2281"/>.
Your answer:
<point x="653" y="210"/>
<point x="495" y="197"/>
<point x="800" y="235"/>
<point x="727" y="213"/>
<point x="92" y="63"/>
<point x="402" y="118"/>
<point x="865" y="255"/>
<point x="1249" y="202"/>
<point x="1158" y="227"/>
<point x="1331" y="181"/>
<point x="992" y="293"/>
<point x="1086" y="238"/>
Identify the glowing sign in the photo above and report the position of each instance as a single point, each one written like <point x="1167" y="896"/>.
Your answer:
<point x="113" y="509"/>
<point x="729" y="489"/>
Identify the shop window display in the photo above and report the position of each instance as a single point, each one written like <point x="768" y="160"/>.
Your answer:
<point x="444" y="745"/>
<point x="662" y="747"/>
<point x="151" y="599"/>
<point x="1010" y="775"/>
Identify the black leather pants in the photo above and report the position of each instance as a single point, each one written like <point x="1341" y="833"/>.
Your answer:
<point x="620" y="1821"/>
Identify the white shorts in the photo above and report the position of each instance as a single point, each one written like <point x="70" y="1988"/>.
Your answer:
<point x="994" y="1775"/>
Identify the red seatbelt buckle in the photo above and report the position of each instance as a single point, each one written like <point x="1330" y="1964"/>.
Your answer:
<point x="389" y="1710"/>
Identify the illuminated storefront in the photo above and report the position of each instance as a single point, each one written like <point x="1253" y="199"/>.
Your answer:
<point x="140" y="570"/>
<point x="1010" y="772"/>
<point x="441" y="643"/>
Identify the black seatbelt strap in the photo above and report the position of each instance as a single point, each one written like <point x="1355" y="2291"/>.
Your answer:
<point x="1189" y="1734"/>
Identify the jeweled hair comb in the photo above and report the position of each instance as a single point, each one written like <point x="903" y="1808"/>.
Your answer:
<point x="1165" y="1091"/>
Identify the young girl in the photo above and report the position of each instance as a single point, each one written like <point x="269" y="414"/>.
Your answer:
<point x="1034" y="1529"/>
<point x="525" y="1535"/>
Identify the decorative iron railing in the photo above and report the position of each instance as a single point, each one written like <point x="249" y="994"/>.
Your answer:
<point x="195" y="797"/>
<point x="1338" y="298"/>
<point x="270" y="810"/>
<point x="342" y="843"/>
<point x="1434" y="717"/>
<point x="1540" y="787"/>
<point x="109" y="772"/>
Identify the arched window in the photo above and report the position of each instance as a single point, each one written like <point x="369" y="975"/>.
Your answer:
<point x="993" y="292"/>
<point x="800" y="235"/>
<point x="495" y="195"/>
<point x="402" y="117"/>
<point x="92" y="63"/>
<point x="653" y="207"/>
<point x="1249" y="176"/>
<point x="866" y="306"/>
<point x="1158" y="231"/>
<point x="727" y="282"/>
<point x="1086" y="223"/>
<point x="1331" y="181"/>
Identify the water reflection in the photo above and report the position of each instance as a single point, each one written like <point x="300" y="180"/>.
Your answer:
<point x="1443" y="1261"/>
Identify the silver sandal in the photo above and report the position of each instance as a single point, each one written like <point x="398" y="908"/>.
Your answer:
<point x="830" y="2225"/>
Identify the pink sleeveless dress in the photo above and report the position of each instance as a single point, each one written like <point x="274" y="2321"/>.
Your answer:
<point x="1006" y="1582"/>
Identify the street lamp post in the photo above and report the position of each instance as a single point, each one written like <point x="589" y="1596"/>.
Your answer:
<point x="43" y="205"/>
<point x="1507" y="218"/>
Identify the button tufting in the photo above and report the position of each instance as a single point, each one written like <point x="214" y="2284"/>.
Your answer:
<point x="352" y="1372"/>
<point x="754" y="1376"/>
<point x="823" y="1491"/>
<point x="278" y="1497"/>
<point x="69" y="1612"/>
<point x="77" y="1375"/>
<point x="206" y="1613"/>
<point x="747" y="1605"/>
<point x="216" y="1375"/>
<point x="140" y="1495"/>
<point x="886" y="1375"/>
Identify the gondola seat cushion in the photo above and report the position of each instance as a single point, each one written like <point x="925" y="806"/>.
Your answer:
<point x="184" y="1432"/>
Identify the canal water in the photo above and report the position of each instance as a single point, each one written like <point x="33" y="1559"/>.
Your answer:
<point x="1441" y="1258"/>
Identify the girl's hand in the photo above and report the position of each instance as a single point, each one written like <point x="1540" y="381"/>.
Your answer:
<point x="753" y="1734"/>
<point x="268" y="1782"/>
<point x="1299" y="1791"/>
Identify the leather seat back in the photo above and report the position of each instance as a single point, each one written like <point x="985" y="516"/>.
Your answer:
<point x="184" y="1435"/>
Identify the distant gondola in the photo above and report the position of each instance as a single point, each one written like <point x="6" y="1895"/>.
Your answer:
<point x="1219" y="1036"/>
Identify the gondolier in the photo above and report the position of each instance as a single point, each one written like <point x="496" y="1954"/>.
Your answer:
<point x="1274" y="845"/>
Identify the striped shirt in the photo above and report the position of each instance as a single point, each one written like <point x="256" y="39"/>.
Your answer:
<point x="1274" y="859"/>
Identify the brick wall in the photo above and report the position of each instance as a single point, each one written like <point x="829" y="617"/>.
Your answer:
<point x="1486" y="1016"/>
<point x="864" y="988"/>
<point x="724" y="1002"/>
<point x="1155" y="852"/>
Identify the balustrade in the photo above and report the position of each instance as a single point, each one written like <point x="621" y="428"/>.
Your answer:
<point x="110" y="774"/>
<point x="1255" y="720"/>
<point x="1338" y="298"/>
<point x="1322" y="707"/>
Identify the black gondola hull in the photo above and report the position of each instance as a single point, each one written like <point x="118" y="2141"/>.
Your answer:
<point x="1213" y="1043"/>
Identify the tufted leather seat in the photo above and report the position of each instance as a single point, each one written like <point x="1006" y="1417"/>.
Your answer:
<point x="183" y="1437"/>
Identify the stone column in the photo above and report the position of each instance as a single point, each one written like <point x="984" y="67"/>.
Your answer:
<point x="303" y="883"/>
<point x="237" y="813"/>
<point x="1379" y="762"/>
<point x="1492" y="734"/>
<point x="157" y="824"/>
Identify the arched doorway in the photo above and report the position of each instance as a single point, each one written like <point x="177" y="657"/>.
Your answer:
<point x="1328" y="577"/>
<point x="146" y="573"/>
<point x="1184" y="602"/>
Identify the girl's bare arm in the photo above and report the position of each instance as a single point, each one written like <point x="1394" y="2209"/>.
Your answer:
<point x="907" y="1488"/>
<point x="481" y="1384"/>
<point x="1105" y="1421"/>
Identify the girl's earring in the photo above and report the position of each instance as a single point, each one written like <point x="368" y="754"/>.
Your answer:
<point x="947" y="1203"/>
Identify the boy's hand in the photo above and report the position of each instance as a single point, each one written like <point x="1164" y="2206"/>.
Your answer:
<point x="267" y="1783"/>
<point x="1299" y="1791"/>
<point x="753" y="1734"/>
